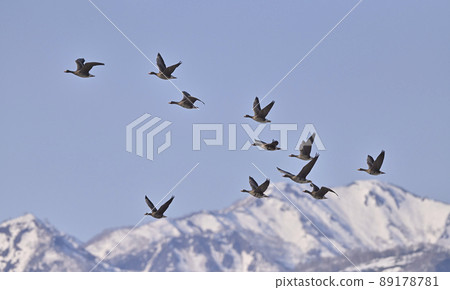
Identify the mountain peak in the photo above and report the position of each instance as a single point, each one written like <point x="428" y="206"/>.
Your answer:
<point x="29" y="244"/>
<point x="282" y="231"/>
<point x="26" y="218"/>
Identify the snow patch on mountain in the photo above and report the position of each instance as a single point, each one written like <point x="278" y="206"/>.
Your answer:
<point x="378" y="226"/>
<point x="283" y="231"/>
<point x="28" y="244"/>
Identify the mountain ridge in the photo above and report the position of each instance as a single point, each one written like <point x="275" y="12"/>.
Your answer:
<point x="373" y="223"/>
<point x="255" y="222"/>
<point x="30" y="244"/>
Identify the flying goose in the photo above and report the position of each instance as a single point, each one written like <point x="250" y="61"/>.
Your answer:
<point x="260" y="115"/>
<point x="267" y="146"/>
<point x="83" y="68"/>
<point x="257" y="191"/>
<point x="301" y="176"/>
<point x="319" y="193"/>
<point x="158" y="213"/>
<point x="187" y="101"/>
<point x="164" y="73"/>
<point x="305" y="149"/>
<point x="374" y="166"/>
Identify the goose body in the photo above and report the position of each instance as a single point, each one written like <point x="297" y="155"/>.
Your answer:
<point x="374" y="166"/>
<point x="158" y="213"/>
<point x="83" y="68"/>
<point x="305" y="149"/>
<point x="187" y="101"/>
<point x="301" y="176"/>
<point x="257" y="190"/>
<point x="260" y="114"/>
<point x="164" y="73"/>
<point x="319" y="193"/>
<point x="267" y="146"/>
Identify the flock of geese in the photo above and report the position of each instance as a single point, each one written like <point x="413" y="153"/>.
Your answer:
<point x="260" y="115"/>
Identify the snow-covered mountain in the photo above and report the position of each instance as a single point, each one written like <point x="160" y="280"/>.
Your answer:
<point x="28" y="244"/>
<point x="376" y="225"/>
<point x="291" y="231"/>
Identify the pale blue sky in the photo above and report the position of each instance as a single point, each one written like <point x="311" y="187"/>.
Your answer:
<point x="379" y="81"/>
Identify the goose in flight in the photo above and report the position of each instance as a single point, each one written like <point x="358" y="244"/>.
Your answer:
<point x="83" y="68"/>
<point x="260" y="115"/>
<point x="158" y="213"/>
<point x="301" y="176"/>
<point x="305" y="149"/>
<point x="374" y="166"/>
<point x="319" y="193"/>
<point x="267" y="146"/>
<point x="257" y="190"/>
<point x="187" y="101"/>
<point x="164" y="73"/>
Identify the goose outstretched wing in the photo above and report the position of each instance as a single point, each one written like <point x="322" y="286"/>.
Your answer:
<point x="266" y="109"/>
<point x="307" y="168"/>
<point x="285" y="172"/>
<point x="168" y="71"/>
<point x="305" y="147"/>
<point x="256" y="106"/>
<point x="379" y="161"/>
<point x="164" y="207"/>
<point x="150" y="204"/>
<point x="160" y="63"/>
<point x="252" y="182"/>
<point x="263" y="187"/>
<point x="324" y="190"/>
<point x="370" y="161"/>
<point x="80" y="63"/>
<point x="315" y="187"/>
<point x="190" y="99"/>
<point x="87" y="66"/>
